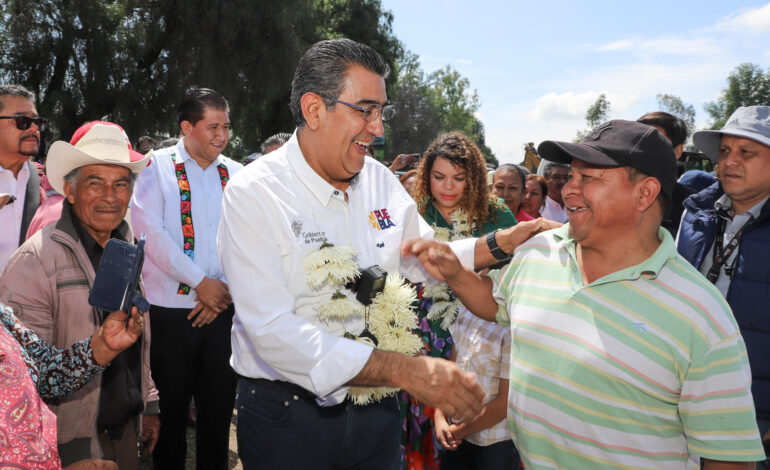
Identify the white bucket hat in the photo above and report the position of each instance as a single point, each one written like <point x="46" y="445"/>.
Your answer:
<point x="94" y="143"/>
<point x="750" y="122"/>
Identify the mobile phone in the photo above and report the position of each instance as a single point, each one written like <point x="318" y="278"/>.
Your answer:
<point x="409" y="158"/>
<point x="116" y="285"/>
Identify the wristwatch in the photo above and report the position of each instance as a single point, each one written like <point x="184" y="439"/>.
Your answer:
<point x="494" y="248"/>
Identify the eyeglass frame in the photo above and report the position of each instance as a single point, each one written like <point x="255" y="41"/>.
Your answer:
<point x="367" y="111"/>
<point x="39" y="121"/>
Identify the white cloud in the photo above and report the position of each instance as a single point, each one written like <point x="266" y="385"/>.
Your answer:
<point x="666" y="45"/>
<point x="464" y="61"/>
<point x="571" y="105"/>
<point x="756" y="20"/>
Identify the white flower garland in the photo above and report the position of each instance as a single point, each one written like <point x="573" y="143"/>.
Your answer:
<point x="445" y="306"/>
<point x="390" y="321"/>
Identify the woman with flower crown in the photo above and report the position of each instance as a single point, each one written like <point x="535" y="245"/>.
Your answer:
<point x="452" y="195"/>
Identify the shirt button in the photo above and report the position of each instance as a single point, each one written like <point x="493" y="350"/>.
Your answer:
<point x="336" y="193"/>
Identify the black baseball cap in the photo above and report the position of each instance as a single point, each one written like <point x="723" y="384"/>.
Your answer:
<point x="619" y="143"/>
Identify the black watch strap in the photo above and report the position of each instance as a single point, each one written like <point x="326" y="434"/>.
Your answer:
<point x="494" y="248"/>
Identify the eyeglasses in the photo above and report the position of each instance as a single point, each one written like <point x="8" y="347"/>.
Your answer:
<point x="23" y="122"/>
<point x="371" y="112"/>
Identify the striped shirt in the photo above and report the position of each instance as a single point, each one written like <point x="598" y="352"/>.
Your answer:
<point x="483" y="348"/>
<point x="642" y="368"/>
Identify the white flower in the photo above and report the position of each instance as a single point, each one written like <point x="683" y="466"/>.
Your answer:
<point x="339" y="308"/>
<point x="333" y="264"/>
<point x="450" y="315"/>
<point x="436" y="292"/>
<point x="441" y="234"/>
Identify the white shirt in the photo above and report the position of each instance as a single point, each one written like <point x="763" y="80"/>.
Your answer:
<point x="155" y="211"/>
<point x="277" y="211"/>
<point x="553" y="211"/>
<point x="11" y="214"/>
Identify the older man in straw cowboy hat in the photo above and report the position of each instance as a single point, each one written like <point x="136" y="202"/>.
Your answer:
<point x="48" y="280"/>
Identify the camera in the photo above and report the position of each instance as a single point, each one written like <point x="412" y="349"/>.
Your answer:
<point x="368" y="284"/>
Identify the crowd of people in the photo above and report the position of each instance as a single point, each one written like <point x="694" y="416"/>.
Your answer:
<point x="432" y="314"/>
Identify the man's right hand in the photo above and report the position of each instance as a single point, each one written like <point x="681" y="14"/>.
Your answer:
<point x="436" y="257"/>
<point x="436" y="382"/>
<point x="442" y="384"/>
<point x="214" y="294"/>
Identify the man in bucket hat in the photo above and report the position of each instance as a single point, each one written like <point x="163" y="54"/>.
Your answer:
<point x="725" y="233"/>
<point x="623" y="355"/>
<point x="48" y="280"/>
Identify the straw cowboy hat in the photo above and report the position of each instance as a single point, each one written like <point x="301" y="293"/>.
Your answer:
<point x="94" y="143"/>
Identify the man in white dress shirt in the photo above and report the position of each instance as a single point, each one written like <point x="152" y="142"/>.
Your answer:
<point x="177" y="203"/>
<point x="294" y="368"/>
<point x="20" y="128"/>
<point x="556" y="175"/>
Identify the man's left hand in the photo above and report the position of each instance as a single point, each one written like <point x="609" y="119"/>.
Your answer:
<point x="150" y="432"/>
<point x="115" y="336"/>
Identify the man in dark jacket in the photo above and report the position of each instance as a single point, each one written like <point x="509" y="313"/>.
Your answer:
<point x="725" y="233"/>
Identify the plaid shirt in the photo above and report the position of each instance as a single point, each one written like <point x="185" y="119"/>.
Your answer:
<point x="483" y="348"/>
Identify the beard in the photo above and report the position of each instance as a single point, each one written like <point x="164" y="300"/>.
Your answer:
<point x="26" y="151"/>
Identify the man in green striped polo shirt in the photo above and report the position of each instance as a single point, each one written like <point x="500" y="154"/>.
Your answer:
<point x="623" y="355"/>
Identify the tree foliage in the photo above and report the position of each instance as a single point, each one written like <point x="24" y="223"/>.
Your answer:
<point x="431" y="105"/>
<point x="672" y="104"/>
<point x="747" y="85"/>
<point x="132" y="60"/>
<point x="596" y="114"/>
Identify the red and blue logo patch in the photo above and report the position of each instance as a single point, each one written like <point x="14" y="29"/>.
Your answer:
<point x="380" y="219"/>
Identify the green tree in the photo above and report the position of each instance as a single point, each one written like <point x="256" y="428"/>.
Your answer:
<point x="672" y="104"/>
<point x="747" y="85"/>
<point x="131" y="61"/>
<point x="596" y="114"/>
<point x="416" y="122"/>
<point x="427" y="106"/>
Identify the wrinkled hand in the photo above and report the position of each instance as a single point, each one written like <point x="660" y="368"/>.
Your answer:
<point x="436" y="257"/>
<point x="93" y="464"/>
<point x="150" y="432"/>
<point x="203" y="315"/>
<point x="441" y="384"/>
<point x="214" y="294"/>
<point x="116" y="336"/>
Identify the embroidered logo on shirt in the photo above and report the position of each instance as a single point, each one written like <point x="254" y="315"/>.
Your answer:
<point x="296" y="227"/>
<point x="380" y="219"/>
<point x="641" y="326"/>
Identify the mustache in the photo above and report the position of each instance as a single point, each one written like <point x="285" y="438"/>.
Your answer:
<point x="30" y="136"/>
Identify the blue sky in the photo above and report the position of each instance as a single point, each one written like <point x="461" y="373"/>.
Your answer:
<point x="538" y="65"/>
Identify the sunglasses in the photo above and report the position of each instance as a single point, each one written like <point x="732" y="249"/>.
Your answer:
<point x="23" y="122"/>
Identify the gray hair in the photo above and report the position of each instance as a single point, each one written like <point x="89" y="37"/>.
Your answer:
<point x="550" y="166"/>
<point x="72" y="177"/>
<point x="277" y="139"/>
<point x="15" y="90"/>
<point x="322" y="69"/>
<point x="522" y="172"/>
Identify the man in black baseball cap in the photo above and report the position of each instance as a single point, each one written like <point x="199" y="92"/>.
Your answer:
<point x="618" y="173"/>
<point x="617" y="338"/>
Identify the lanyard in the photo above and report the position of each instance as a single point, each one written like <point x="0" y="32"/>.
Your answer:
<point x="722" y="254"/>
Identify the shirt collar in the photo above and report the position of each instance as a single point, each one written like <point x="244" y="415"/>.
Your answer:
<point x="725" y="202"/>
<point x="650" y="267"/>
<point x="551" y="202"/>
<point x="183" y="155"/>
<point x="320" y="188"/>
